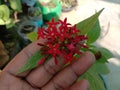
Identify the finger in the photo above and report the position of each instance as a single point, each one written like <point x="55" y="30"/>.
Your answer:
<point x="41" y="75"/>
<point x="81" y="85"/>
<point x="69" y="75"/>
<point x="20" y="59"/>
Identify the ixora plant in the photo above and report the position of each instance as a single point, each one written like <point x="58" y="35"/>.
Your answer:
<point x="71" y="41"/>
<point x="35" y="15"/>
<point x="34" y="12"/>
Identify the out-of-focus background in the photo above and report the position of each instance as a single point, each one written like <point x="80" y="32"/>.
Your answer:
<point x="110" y="31"/>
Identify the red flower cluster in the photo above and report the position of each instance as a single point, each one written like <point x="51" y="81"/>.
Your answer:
<point x="61" y="38"/>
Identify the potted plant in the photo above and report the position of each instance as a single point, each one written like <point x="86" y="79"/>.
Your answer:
<point x="11" y="44"/>
<point x="27" y="27"/>
<point x="11" y="39"/>
<point x="29" y="2"/>
<point x="67" y="5"/>
<point x="35" y="14"/>
<point x="49" y="8"/>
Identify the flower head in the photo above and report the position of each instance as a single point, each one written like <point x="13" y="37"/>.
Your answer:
<point x="61" y="38"/>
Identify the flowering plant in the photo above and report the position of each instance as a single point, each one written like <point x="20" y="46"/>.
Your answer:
<point x="70" y="41"/>
<point x="63" y="38"/>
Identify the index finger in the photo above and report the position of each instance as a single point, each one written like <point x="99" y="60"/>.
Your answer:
<point x="20" y="59"/>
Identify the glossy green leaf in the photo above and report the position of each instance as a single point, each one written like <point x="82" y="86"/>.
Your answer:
<point x="93" y="48"/>
<point x="94" y="33"/>
<point x="4" y="14"/>
<point x="32" y="36"/>
<point x="102" y="60"/>
<point x="10" y="24"/>
<point x="106" y="54"/>
<point x="86" y="25"/>
<point x="31" y="63"/>
<point x="16" y="5"/>
<point x="93" y="76"/>
<point x="100" y="68"/>
<point x="96" y="83"/>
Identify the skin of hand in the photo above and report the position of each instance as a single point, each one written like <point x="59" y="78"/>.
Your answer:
<point x="48" y="76"/>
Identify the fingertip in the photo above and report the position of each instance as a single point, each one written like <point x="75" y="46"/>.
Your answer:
<point x="81" y="85"/>
<point x="86" y="60"/>
<point x="89" y="54"/>
<point x="85" y="82"/>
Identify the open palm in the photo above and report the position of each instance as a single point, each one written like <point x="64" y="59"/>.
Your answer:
<point x="48" y="76"/>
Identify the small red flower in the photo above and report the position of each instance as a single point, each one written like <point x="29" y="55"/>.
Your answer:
<point x="63" y="24"/>
<point x="54" y="51"/>
<point x="52" y="24"/>
<point x="73" y="48"/>
<point x="69" y="57"/>
<point x="70" y="46"/>
<point x="42" y="60"/>
<point x="40" y="33"/>
<point x="51" y="34"/>
<point x="40" y="44"/>
<point x="83" y="45"/>
<point x="62" y="36"/>
<point x="79" y="38"/>
<point x="74" y="30"/>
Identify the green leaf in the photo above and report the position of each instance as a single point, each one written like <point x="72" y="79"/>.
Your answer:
<point x="106" y="54"/>
<point x="10" y="24"/>
<point x="93" y="76"/>
<point x="16" y="5"/>
<point x="86" y="25"/>
<point x="94" y="33"/>
<point x="32" y="36"/>
<point x="100" y="68"/>
<point x="93" y="49"/>
<point x="31" y="63"/>
<point x="102" y="60"/>
<point x="0" y="1"/>
<point x="56" y="18"/>
<point x="2" y="22"/>
<point x="96" y="83"/>
<point x="4" y="14"/>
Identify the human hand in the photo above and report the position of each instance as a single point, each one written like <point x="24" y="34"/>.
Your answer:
<point x="48" y="76"/>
